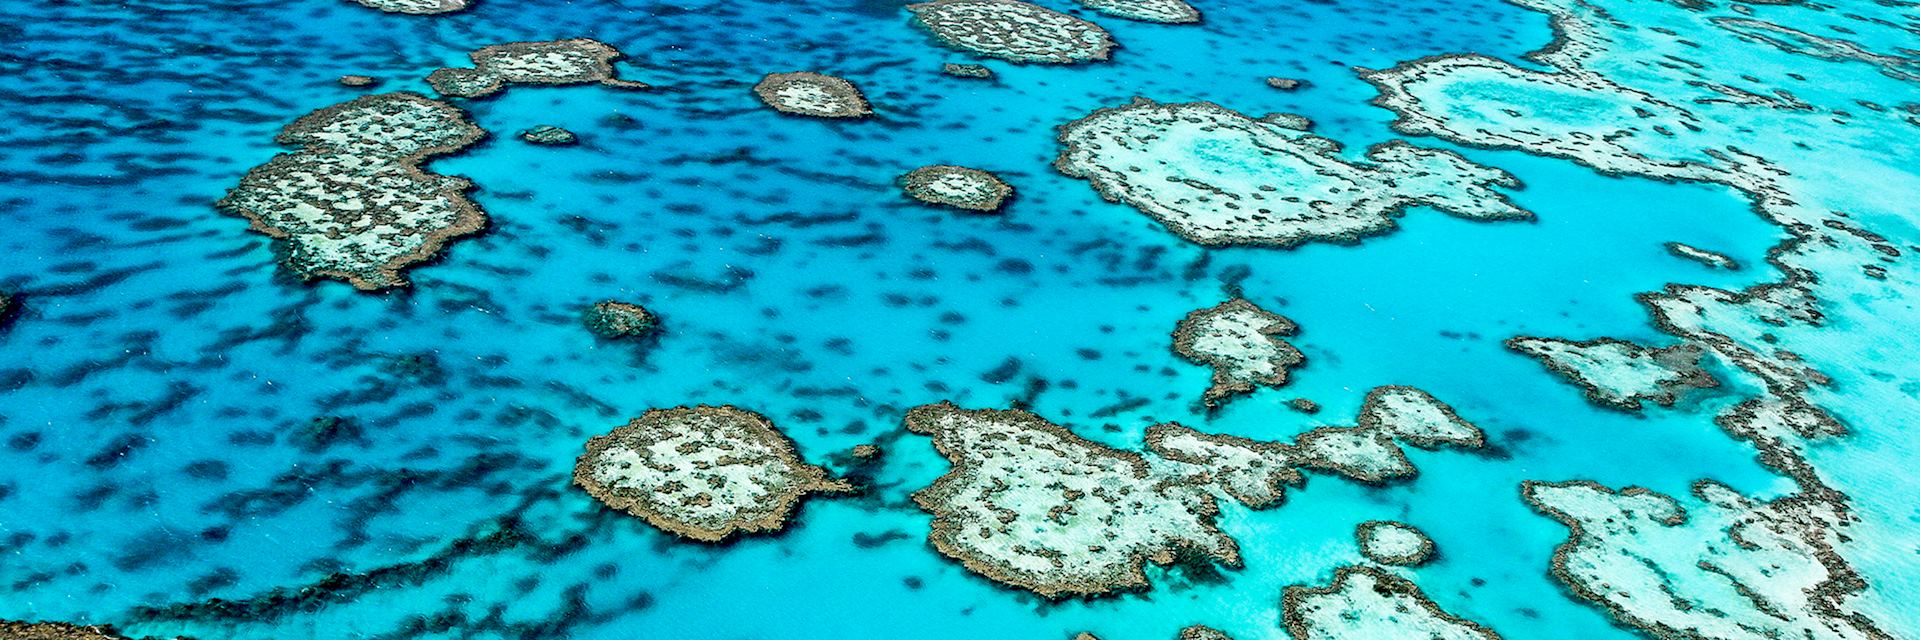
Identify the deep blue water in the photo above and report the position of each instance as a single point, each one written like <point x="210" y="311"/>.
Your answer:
<point x="152" y="390"/>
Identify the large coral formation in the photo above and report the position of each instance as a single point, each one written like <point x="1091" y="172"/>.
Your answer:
<point x="1168" y="11"/>
<point x="1013" y="30"/>
<point x="1217" y="177"/>
<point x="704" y="473"/>
<point x="352" y="202"/>
<point x="416" y="7"/>
<point x="1393" y="543"/>
<point x="576" y="61"/>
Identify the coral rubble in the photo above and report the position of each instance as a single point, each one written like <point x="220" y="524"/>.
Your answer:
<point x="703" y="473"/>
<point x="352" y="202"/>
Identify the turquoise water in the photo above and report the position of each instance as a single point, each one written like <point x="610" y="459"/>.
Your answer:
<point x="154" y="386"/>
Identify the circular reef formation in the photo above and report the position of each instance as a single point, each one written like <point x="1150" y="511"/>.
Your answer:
<point x="1242" y="343"/>
<point x="557" y="62"/>
<point x="1393" y="543"/>
<point x="960" y="187"/>
<point x="416" y="7"/>
<point x="806" y="93"/>
<point x="1165" y="11"/>
<point x="1217" y="177"/>
<point x="612" y="319"/>
<point x="1013" y="30"/>
<point x="352" y="203"/>
<point x="703" y="473"/>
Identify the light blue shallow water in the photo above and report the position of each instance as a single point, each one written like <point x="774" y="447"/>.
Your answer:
<point x="152" y="390"/>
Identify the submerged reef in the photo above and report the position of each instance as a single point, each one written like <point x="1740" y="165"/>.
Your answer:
<point x="965" y="70"/>
<point x="358" y="81"/>
<point x="1731" y="568"/>
<point x="1167" y="11"/>
<point x="1284" y="84"/>
<point x="959" y="187"/>
<point x="1365" y="603"/>
<point x="1029" y="504"/>
<point x="352" y="202"/>
<point x="1243" y="344"/>
<point x="11" y="630"/>
<point x="1013" y="30"/>
<point x="547" y="134"/>
<point x="7" y="309"/>
<point x="416" y="7"/>
<point x="807" y="93"/>
<point x="1621" y="374"/>
<point x="558" y="62"/>
<point x="612" y="319"/>
<point x="1710" y="258"/>
<point x="1216" y="177"/>
<point x="1393" y="543"/>
<point x="703" y="473"/>
<point x="1203" y="632"/>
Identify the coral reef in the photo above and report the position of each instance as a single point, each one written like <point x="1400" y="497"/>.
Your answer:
<point x="612" y="319"/>
<point x="352" y="202"/>
<point x="1013" y="30"/>
<point x="807" y="93"/>
<point x="1364" y="603"/>
<point x="1393" y="543"/>
<point x="1217" y="177"/>
<point x="1203" y="632"/>
<point x="1417" y="418"/>
<point x="1252" y="472"/>
<point x="1710" y="258"/>
<point x="1284" y="84"/>
<point x="1167" y="11"/>
<point x="358" y="81"/>
<point x="703" y="473"/>
<point x="1029" y="504"/>
<point x="558" y="62"/>
<point x="547" y="134"/>
<point x="958" y="187"/>
<point x="1242" y="343"/>
<point x="1731" y="568"/>
<point x="1621" y="374"/>
<point x="416" y="7"/>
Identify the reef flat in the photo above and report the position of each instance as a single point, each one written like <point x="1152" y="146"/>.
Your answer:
<point x="703" y="473"/>
<point x="1621" y="374"/>
<point x="1013" y="30"/>
<point x="1364" y="602"/>
<point x="1217" y="177"/>
<point x="557" y="62"/>
<point x="1244" y="344"/>
<point x="812" y="94"/>
<point x="958" y="187"/>
<point x="1393" y="543"/>
<point x="352" y="203"/>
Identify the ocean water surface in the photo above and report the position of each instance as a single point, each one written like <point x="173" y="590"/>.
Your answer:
<point x="161" y="370"/>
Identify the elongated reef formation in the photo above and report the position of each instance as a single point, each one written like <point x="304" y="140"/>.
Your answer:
<point x="958" y="187"/>
<point x="807" y="93"/>
<point x="558" y="62"/>
<point x="1621" y="374"/>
